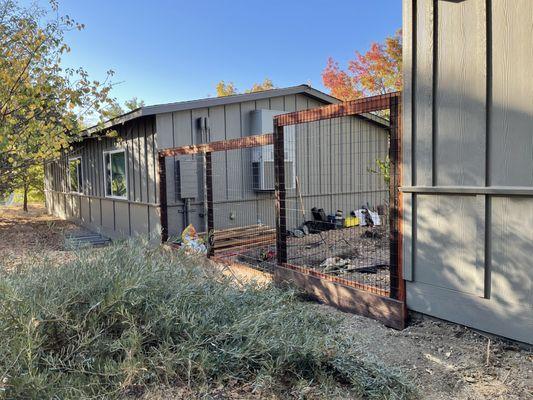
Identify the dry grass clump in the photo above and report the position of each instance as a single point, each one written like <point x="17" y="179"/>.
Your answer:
<point x="115" y="322"/>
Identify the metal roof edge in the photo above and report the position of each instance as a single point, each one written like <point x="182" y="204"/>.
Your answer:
<point x="210" y="102"/>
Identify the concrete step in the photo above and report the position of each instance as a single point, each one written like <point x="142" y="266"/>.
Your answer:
<point x="86" y="239"/>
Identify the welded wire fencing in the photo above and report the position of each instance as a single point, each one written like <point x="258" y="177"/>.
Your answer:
<point x="337" y="201"/>
<point x="318" y="195"/>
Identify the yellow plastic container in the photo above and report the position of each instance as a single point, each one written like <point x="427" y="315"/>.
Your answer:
<point x="351" y="221"/>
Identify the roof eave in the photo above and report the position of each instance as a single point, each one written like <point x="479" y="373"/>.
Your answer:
<point x="210" y="102"/>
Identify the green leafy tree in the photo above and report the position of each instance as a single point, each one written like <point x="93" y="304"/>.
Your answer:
<point x="133" y="104"/>
<point x="42" y="103"/>
<point x="383" y="169"/>
<point x="114" y="109"/>
<point x="227" y="89"/>
<point x="30" y="184"/>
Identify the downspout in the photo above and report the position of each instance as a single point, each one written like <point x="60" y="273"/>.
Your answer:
<point x="204" y="179"/>
<point x="186" y="210"/>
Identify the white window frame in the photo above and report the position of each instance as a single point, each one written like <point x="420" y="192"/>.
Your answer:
<point x="110" y="152"/>
<point x="80" y="178"/>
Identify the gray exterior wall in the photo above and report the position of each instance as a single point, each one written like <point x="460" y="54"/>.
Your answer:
<point x="332" y="159"/>
<point x="117" y="218"/>
<point x="468" y="153"/>
<point x="326" y="181"/>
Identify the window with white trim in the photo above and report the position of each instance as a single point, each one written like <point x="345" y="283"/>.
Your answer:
<point x="75" y="175"/>
<point x="116" y="181"/>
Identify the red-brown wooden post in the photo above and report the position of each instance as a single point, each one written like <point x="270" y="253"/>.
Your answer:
<point x="163" y="209"/>
<point x="210" y="211"/>
<point x="279" y="185"/>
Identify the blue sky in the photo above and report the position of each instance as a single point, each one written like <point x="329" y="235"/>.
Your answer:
<point x="164" y="51"/>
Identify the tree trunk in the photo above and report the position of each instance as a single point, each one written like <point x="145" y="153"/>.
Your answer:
<point x="25" y="203"/>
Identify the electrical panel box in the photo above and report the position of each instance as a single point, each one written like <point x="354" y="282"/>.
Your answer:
<point x="263" y="178"/>
<point x="187" y="177"/>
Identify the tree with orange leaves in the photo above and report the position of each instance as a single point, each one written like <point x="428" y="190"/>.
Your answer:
<point x="378" y="71"/>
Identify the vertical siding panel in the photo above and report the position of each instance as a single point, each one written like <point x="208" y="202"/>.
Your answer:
<point x="313" y="153"/>
<point x="447" y="250"/>
<point x="138" y="162"/>
<point x="335" y="155"/>
<point x="216" y="119"/>
<point x="302" y="146"/>
<point x="276" y="103"/>
<point x="312" y="103"/>
<point x="233" y="130"/>
<point x="323" y="145"/>
<point x="512" y="247"/>
<point x="97" y="166"/>
<point x="263" y="104"/>
<point x="511" y="120"/>
<point x="461" y="91"/>
<point x="94" y="166"/>
<point x="301" y="102"/>
<point x="182" y="128"/>
<point x="130" y="157"/>
<point x="408" y="66"/>
<point x="143" y="167"/>
<point x="89" y="166"/>
<point x="346" y="168"/>
<point x="182" y="123"/>
<point x="150" y="159"/>
<point x="301" y="156"/>
<point x="423" y="93"/>
<point x="155" y="170"/>
<point x="164" y="129"/>
<point x="246" y="154"/>
<point x="290" y="103"/>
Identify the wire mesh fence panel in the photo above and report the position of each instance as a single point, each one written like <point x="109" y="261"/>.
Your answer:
<point x="243" y="206"/>
<point x="319" y="195"/>
<point x="337" y="198"/>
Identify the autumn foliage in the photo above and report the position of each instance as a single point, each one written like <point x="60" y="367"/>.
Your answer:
<point x="378" y="71"/>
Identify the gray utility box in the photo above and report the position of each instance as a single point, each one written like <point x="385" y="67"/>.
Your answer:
<point x="263" y="156"/>
<point x="187" y="177"/>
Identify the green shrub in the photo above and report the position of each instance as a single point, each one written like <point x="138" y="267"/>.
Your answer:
<point x="118" y="320"/>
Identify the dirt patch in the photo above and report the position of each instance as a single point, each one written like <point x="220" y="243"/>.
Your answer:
<point x="27" y="236"/>
<point x="447" y="361"/>
<point x="358" y="253"/>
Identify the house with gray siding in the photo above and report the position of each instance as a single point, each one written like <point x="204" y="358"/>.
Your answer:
<point x="110" y="184"/>
<point x="468" y="162"/>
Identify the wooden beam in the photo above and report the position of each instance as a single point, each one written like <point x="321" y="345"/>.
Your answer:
<point x="222" y="145"/>
<point x="389" y="311"/>
<point x="337" y="279"/>
<point x="359" y="106"/>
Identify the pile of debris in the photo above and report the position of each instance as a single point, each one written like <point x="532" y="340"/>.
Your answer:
<point x="324" y="222"/>
<point x="340" y="266"/>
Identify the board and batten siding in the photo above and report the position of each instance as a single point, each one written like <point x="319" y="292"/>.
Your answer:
<point x="117" y="218"/>
<point x="468" y="162"/>
<point x="232" y="185"/>
<point x="319" y="146"/>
